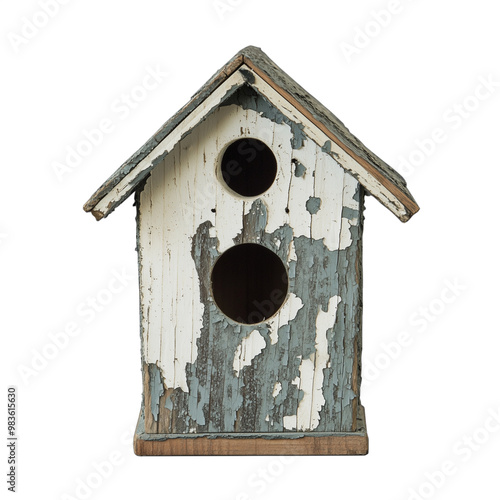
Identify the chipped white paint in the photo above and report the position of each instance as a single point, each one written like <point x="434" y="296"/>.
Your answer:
<point x="345" y="233"/>
<point x="324" y="321"/>
<point x="122" y="190"/>
<point x="290" y="422"/>
<point x="184" y="190"/>
<point x="169" y="269"/>
<point x="348" y="194"/>
<point x="285" y="315"/>
<point x="301" y="189"/>
<point x="277" y="389"/>
<point x="324" y="178"/>
<point x="306" y="370"/>
<point x="350" y="187"/>
<point x="329" y="182"/>
<point x="249" y="347"/>
<point x="311" y="370"/>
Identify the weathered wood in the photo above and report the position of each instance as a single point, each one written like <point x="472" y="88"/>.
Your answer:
<point x="324" y="445"/>
<point x="374" y="174"/>
<point x="221" y="375"/>
<point x="150" y="423"/>
<point x="354" y="443"/>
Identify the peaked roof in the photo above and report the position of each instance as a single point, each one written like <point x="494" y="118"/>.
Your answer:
<point x="252" y="67"/>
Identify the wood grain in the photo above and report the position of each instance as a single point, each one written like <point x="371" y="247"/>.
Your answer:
<point x="325" y="445"/>
<point x="334" y="444"/>
<point x="203" y="379"/>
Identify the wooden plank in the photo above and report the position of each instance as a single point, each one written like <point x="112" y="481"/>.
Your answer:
<point x="150" y="424"/>
<point x="325" y="445"/>
<point x="355" y="443"/>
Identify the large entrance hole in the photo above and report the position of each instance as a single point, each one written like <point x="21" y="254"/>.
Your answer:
<point x="249" y="283"/>
<point x="248" y="167"/>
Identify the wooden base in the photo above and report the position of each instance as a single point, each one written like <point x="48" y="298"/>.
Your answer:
<point x="285" y="443"/>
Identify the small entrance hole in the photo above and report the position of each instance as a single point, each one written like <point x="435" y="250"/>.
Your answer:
<point x="249" y="283"/>
<point x="248" y="167"/>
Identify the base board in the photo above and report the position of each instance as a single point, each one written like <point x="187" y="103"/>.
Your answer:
<point x="284" y="443"/>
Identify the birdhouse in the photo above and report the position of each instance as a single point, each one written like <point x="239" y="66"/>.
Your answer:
<point x="249" y="236"/>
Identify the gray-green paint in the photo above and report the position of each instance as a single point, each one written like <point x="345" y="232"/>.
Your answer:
<point x="300" y="170"/>
<point x="313" y="204"/>
<point x="156" y="389"/>
<point x="168" y="403"/>
<point x="247" y="75"/>
<point x="248" y="98"/>
<point x="327" y="147"/>
<point x="350" y="213"/>
<point x="146" y="436"/>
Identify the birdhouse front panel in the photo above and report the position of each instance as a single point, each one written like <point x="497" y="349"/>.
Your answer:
<point x="249" y="239"/>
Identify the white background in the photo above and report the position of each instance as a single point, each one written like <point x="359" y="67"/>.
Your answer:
<point x="432" y="283"/>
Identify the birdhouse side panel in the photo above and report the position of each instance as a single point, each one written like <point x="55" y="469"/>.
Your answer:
<point x="296" y="369"/>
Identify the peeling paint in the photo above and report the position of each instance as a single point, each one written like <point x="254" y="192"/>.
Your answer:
<point x="327" y="147"/>
<point x="248" y="98"/>
<point x="168" y="403"/>
<point x="277" y="389"/>
<point x="156" y="389"/>
<point x="249" y="347"/>
<point x="290" y="422"/>
<point x="289" y="310"/>
<point x="223" y="383"/>
<point x="313" y="205"/>
<point x="145" y="436"/>
<point x="306" y="370"/>
<point x="350" y="213"/>
<point x="247" y="75"/>
<point x="312" y="368"/>
<point x="300" y="169"/>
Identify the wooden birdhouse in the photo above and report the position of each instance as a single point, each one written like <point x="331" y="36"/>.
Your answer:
<point x="249" y="234"/>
